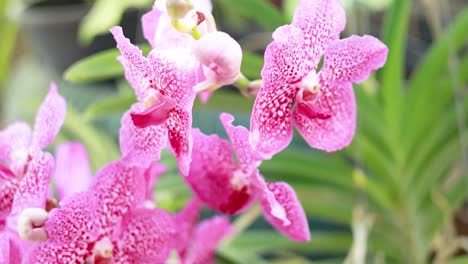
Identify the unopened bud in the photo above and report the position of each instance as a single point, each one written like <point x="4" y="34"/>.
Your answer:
<point x="30" y="224"/>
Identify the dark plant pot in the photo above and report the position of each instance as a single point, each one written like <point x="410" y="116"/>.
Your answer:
<point x="52" y="29"/>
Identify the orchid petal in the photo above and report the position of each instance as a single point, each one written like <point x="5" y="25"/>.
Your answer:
<point x="211" y="174"/>
<point x="49" y="253"/>
<point x="146" y="238"/>
<point x="5" y="173"/>
<point x="50" y="118"/>
<point x="271" y="124"/>
<point x="336" y="132"/>
<point x="34" y="187"/>
<point x="16" y="137"/>
<point x="4" y="248"/>
<point x="353" y="59"/>
<point x="141" y="146"/>
<point x="72" y="173"/>
<point x="7" y="194"/>
<point x="180" y="138"/>
<point x="115" y="187"/>
<point x="298" y="228"/>
<point x="247" y="158"/>
<point x="154" y="115"/>
<point x="138" y="70"/>
<point x="185" y="221"/>
<point x="149" y="22"/>
<point x="321" y="21"/>
<point x="207" y="237"/>
<point x="152" y="175"/>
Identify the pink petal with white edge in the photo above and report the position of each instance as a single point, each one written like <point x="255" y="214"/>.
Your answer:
<point x="49" y="118"/>
<point x="147" y="237"/>
<point x="298" y="228"/>
<point x="34" y="187"/>
<point x="321" y="21"/>
<point x="16" y="137"/>
<point x="270" y="123"/>
<point x="141" y="146"/>
<point x="138" y="70"/>
<point x="221" y="57"/>
<point x="336" y="132"/>
<point x="116" y="186"/>
<point x="185" y="221"/>
<point x="211" y="173"/>
<point x="247" y="158"/>
<point x="72" y="173"/>
<point x="353" y="59"/>
<point x="207" y="237"/>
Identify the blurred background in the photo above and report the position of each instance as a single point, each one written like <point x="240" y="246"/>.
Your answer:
<point x="396" y="195"/>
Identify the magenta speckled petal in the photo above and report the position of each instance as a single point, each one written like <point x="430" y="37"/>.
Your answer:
<point x="16" y="137"/>
<point x="247" y="158"/>
<point x="152" y="175"/>
<point x="6" y="173"/>
<point x="141" y="146"/>
<point x="336" y="132"/>
<point x="208" y="235"/>
<point x="147" y="237"/>
<point x="115" y="187"/>
<point x="72" y="173"/>
<point x="270" y="123"/>
<point x="138" y="70"/>
<point x="34" y="187"/>
<point x="154" y="115"/>
<point x="49" y="118"/>
<point x="179" y="125"/>
<point x="298" y="228"/>
<point x="7" y="194"/>
<point x="211" y="174"/>
<point x="353" y="59"/>
<point x="185" y="221"/>
<point x="60" y="253"/>
<point x="76" y="220"/>
<point x="321" y="21"/>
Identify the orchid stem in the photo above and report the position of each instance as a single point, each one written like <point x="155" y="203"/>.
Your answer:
<point x="246" y="86"/>
<point x="243" y="222"/>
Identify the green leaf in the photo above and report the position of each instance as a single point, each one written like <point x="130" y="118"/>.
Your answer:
<point x="396" y="25"/>
<point x="260" y="11"/>
<point x="105" y="14"/>
<point x="98" y="67"/>
<point x="8" y="31"/>
<point x="459" y="260"/>
<point x="252" y="65"/>
<point x="289" y="8"/>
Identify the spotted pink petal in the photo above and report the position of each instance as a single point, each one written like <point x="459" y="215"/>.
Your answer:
<point x="298" y="228"/>
<point x="147" y="237"/>
<point x="176" y="72"/>
<point x="185" y="221"/>
<point x="16" y="137"/>
<point x="336" y="132"/>
<point x="72" y="173"/>
<point x="221" y="57"/>
<point x="353" y="59"/>
<point x="8" y="190"/>
<point x="49" y="118"/>
<point x="116" y="186"/>
<point x="152" y="175"/>
<point x="207" y="237"/>
<point x="141" y="146"/>
<point x="154" y="115"/>
<point x="179" y="125"/>
<point x="247" y="158"/>
<point x="211" y="173"/>
<point x="138" y="70"/>
<point x="76" y="221"/>
<point x="321" y="21"/>
<point x="5" y="172"/>
<point x="33" y="188"/>
<point x="49" y="253"/>
<point x="270" y="123"/>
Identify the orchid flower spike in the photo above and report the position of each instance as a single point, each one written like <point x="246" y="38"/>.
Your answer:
<point x="230" y="187"/>
<point x="321" y="105"/>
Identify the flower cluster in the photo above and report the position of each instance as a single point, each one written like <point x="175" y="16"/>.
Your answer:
<point x="111" y="218"/>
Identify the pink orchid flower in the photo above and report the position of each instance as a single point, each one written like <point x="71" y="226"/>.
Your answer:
<point x="106" y="224"/>
<point x="324" y="110"/>
<point x="220" y="56"/>
<point x="230" y="187"/>
<point x="197" y="243"/>
<point x="163" y="83"/>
